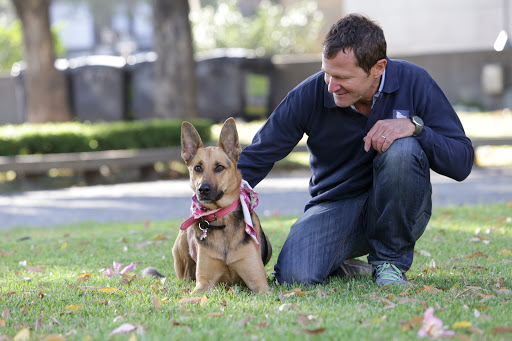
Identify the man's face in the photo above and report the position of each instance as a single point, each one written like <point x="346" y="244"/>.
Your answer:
<point x="348" y="83"/>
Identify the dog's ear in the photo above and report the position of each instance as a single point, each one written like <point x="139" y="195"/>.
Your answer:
<point x="190" y="142"/>
<point x="228" y="140"/>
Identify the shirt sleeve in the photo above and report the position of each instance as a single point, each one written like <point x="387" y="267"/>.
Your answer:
<point x="449" y="150"/>
<point x="274" y="141"/>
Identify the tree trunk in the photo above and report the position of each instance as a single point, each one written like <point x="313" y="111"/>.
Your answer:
<point x="175" y="93"/>
<point x="45" y="86"/>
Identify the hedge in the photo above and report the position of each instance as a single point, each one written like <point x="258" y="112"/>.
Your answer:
<point x="71" y="137"/>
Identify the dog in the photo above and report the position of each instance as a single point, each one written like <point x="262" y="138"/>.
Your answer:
<point x="219" y="243"/>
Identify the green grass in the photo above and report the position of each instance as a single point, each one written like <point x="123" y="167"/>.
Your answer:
<point x="40" y="287"/>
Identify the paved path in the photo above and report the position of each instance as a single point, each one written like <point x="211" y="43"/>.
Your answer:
<point x="170" y="199"/>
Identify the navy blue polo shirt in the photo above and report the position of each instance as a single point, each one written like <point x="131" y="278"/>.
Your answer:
<point x="340" y="167"/>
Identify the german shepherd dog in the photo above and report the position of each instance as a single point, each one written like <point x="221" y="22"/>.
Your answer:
<point x="217" y="244"/>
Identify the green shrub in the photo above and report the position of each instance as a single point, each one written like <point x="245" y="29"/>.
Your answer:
<point x="75" y="137"/>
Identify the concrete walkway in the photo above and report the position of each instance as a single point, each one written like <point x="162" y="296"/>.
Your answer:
<point x="170" y="199"/>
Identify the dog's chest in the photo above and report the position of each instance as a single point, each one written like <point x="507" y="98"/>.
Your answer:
<point x="222" y="243"/>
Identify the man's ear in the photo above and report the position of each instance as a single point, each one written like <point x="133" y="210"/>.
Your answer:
<point x="190" y="142"/>
<point x="379" y="67"/>
<point x="228" y="140"/>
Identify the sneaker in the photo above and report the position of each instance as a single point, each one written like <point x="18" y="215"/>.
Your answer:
<point x="388" y="273"/>
<point x="351" y="267"/>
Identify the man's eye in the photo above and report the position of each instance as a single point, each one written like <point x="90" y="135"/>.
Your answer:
<point x="198" y="169"/>
<point x="219" y="168"/>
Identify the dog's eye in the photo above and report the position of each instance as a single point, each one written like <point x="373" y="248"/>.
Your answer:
<point x="219" y="168"/>
<point x="198" y="169"/>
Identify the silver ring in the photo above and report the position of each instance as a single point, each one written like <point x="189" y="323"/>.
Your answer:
<point x="384" y="137"/>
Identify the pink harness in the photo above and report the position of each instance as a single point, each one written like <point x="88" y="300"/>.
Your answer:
<point x="204" y="216"/>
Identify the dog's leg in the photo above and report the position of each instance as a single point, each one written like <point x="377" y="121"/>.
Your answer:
<point x="209" y="272"/>
<point x="184" y="265"/>
<point x="252" y="271"/>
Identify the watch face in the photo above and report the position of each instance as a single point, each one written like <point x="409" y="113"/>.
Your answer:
<point x="417" y="120"/>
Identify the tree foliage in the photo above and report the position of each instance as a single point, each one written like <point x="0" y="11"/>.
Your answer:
<point x="271" y="30"/>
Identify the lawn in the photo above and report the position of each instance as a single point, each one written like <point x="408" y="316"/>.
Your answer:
<point x="52" y="287"/>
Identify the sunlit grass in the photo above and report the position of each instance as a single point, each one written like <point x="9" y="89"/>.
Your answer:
<point x="461" y="269"/>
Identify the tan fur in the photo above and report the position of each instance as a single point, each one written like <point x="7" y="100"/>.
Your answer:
<point x="226" y="255"/>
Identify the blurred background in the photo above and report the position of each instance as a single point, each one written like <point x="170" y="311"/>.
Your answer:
<point x="96" y="61"/>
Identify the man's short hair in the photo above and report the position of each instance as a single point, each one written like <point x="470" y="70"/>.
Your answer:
<point x="361" y="35"/>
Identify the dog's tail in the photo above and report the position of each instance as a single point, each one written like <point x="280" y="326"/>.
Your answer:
<point x="147" y="272"/>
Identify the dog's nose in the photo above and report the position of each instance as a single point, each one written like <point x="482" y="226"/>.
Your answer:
<point x="205" y="189"/>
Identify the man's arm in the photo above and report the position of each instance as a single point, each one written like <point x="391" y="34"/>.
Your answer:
<point x="443" y="139"/>
<point x="274" y="141"/>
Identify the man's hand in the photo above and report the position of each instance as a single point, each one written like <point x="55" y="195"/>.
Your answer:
<point x="384" y="132"/>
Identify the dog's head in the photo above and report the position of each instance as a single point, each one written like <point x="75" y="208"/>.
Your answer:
<point x="214" y="177"/>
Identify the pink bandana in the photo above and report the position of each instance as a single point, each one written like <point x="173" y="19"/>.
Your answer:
<point x="248" y="199"/>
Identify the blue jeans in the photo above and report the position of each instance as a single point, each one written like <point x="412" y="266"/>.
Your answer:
<point x="383" y="223"/>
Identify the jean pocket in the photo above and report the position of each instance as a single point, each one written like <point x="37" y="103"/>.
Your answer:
<point x="420" y="225"/>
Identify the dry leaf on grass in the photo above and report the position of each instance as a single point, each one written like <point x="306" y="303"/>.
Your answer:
<point x="156" y="303"/>
<point x="22" y="335"/>
<point x="124" y="328"/>
<point x="73" y="307"/>
<point x="314" y="331"/>
<point x="502" y="330"/>
<point x="6" y="313"/>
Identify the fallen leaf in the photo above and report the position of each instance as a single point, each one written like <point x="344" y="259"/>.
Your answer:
<point x="430" y="289"/>
<point x="22" y="335"/>
<point x="314" y="331"/>
<point x="73" y="307"/>
<point x="245" y="320"/>
<point x="262" y="324"/>
<point x="189" y="300"/>
<point x="124" y="328"/>
<point x="54" y="337"/>
<point x="63" y="246"/>
<point x="204" y="300"/>
<point x="156" y="303"/>
<point x="108" y="290"/>
<point x="288" y="306"/>
<point x="37" y="269"/>
<point x="502" y="330"/>
<point x="39" y="323"/>
<point x="321" y="294"/>
<point x="161" y="236"/>
<point x="56" y="321"/>
<point x="461" y="325"/>
<point x="477" y="255"/>
<point x="214" y="314"/>
<point x="433" y="326"/>
<point x="475" y="330"/>
<point x="133" y="337"/>
<point x="6" y="313"/>
<point x="505" y="252"/>
<point x="5" y="253"/>
<point x="503" y="291"/>
<point x="294" y="292"/>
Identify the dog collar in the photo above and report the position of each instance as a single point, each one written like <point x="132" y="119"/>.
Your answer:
<point x="210" y="216"/>
<point x="248" y="200"/>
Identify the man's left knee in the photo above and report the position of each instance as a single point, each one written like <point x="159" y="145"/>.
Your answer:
<point x="402" y="154"/>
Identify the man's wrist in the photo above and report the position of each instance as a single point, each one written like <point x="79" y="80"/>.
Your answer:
<point x="418" y="125"/>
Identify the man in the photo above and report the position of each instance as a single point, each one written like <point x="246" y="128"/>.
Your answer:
<point x="375" y="128"/>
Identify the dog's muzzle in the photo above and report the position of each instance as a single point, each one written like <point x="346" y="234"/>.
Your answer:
<point x="208" y="194"/>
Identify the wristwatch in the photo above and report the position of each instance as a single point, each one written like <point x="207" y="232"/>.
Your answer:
<point x="418" y="124"/>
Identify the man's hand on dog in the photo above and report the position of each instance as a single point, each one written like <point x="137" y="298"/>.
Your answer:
<point x="384" y="132"/>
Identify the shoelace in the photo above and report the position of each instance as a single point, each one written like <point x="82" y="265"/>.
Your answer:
<point x="393" y="275"/>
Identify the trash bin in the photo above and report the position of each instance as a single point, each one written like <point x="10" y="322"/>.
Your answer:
<point x="233" y="82"/>
<point x="140" y="75"/>
<point x="98" y="88"/>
